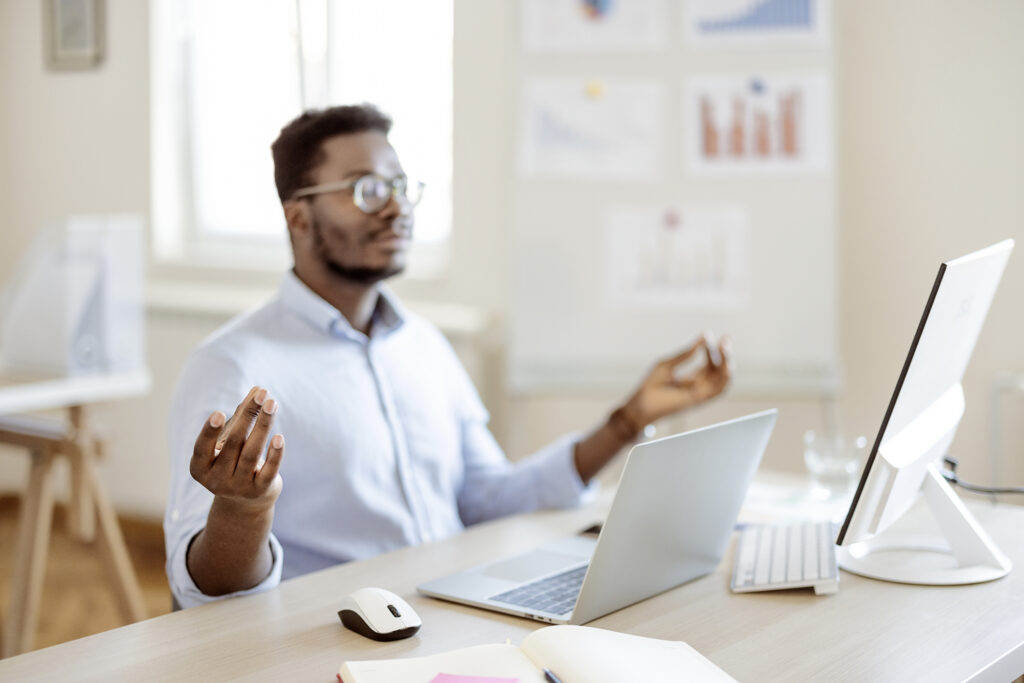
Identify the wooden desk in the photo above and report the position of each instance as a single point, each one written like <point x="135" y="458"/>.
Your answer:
<point x="869" y="631"/>
<point x="47" y="439"/>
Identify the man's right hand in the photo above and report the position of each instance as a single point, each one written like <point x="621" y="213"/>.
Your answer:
<point x="232" y="553"/>
<point x="226" y="458"/>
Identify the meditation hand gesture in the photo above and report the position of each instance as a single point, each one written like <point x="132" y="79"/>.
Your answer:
<point x="226" y="458"/>
<point x="664" y="392"/>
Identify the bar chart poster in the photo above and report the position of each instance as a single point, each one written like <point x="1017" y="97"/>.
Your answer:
<point x="678" y="259"/>
<point x="758" y="125"/>
<point x="734" y="23"/>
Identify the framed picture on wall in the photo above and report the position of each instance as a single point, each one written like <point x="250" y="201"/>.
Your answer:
<point x="73" y="33"/>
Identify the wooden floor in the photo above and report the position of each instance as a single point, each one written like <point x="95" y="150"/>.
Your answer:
<point x="77" y="600"/>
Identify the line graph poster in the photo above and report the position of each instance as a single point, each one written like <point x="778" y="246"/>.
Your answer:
<point x="573" y="129"/>
<point x="593" y="25"/>
<point x="671" y="258"/>
<point x="735" y="23"/>
<point x="758" y="125"/>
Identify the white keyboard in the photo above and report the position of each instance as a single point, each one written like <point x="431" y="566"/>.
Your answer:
<point x="778" y="556"/>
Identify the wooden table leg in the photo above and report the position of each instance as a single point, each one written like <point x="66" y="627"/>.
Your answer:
<point x="113" y="550"/>
<point x="82" y="447"/>
<point x="36" y="515"/>
<point x="91" y="515"/>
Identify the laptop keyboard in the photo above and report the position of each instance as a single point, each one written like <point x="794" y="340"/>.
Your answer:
<point x="555" y="594"/>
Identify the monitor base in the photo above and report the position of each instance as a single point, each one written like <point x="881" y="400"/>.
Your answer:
<point x="963" y="554"/>
<point x="922" y="560"/>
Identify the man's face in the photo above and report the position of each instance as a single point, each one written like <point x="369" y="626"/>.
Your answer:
<point x="358" y="246"/>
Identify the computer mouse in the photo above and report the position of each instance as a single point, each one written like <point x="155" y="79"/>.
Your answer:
<point x="379" y="614"/>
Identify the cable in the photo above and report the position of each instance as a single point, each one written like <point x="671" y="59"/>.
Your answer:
<point x="951" y="476"/>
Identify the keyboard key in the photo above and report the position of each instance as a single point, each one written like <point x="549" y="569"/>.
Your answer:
<point x="779" y="539"/>
<point x="747" y="554"/>
<point x="763" y="563"/>
<point x="811" y="554"/>
<point x="771" y="557"/>
<point x="554" y="594"/>
<point x="826" y="539"/>
<point x="795" y="544"/>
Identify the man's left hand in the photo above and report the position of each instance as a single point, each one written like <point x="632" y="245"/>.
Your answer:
<point x="665" y="392"/>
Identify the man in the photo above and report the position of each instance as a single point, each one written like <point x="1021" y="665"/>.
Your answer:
<point x="388" y="442"/>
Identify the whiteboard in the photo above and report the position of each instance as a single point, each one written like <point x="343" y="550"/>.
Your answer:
<point x="685" y="187"/>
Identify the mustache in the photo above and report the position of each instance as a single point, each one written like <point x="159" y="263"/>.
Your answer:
<point x="399" y="228"/>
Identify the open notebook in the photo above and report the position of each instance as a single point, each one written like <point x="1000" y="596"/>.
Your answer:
<point x="577" y="654"/>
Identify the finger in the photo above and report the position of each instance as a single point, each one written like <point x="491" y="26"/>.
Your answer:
<point x="204" y="450"/>
<point x="688" y="352"/>
<point x="712" y="350"/>
<point x="725" y="348"/>
<point x="234" y="418"/>
<point x="687" y="385"/>
<point x="253" y="448"/>
<point x="245" y="415"/>
<point x="718" y="378"/>
<point x="265" y="475"/>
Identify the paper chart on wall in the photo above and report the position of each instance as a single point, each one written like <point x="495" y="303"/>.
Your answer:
<point x="672" y="258"/>
<point x="758" y="124"/>
<point x="593" y="25"/>
<point x="749" y="23"/>
<point x="591" y="130"/>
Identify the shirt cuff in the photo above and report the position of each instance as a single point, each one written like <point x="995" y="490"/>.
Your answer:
<point x="188" y="594"/>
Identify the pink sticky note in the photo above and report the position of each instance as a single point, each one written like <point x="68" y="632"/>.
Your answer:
<point x="456" y="678"/>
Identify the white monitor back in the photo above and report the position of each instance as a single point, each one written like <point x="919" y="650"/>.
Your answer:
<point x="75" y="302"/>
<point x="928" y="402"/>
<point x="926" y="408"/>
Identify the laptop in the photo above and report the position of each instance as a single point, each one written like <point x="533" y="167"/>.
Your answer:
<point x="669" y="523"/>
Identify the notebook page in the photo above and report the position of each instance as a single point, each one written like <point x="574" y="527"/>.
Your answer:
<point x="583" y="654"/>
<point x="505" y="661"/>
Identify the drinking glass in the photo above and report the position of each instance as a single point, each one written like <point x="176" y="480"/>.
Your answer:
<point x="833" y="461"/>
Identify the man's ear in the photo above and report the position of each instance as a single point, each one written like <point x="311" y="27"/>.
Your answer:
<point x="297" y="216"/>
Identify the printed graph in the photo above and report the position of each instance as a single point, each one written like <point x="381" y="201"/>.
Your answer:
<point x="556" y="132"/>
<point x="737" y="21"/>
<point x="593" y="25"/>
<point x="758" y="127"/>
<point x="575" y="129"/>
<point x="758" y="124"/>
<point x="596" y="9"/>
<point x="693" y="258"/>
<point x="758" y="16"/>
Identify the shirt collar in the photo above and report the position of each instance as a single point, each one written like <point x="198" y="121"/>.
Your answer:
<point x="388" y="316"/>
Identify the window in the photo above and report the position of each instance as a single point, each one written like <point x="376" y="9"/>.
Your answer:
<point x="227" y="74"/>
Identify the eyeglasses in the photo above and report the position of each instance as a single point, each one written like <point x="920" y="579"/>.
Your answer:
<point x="372" y="192"/>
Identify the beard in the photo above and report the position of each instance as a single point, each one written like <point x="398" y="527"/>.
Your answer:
<point x="359" y="274"/>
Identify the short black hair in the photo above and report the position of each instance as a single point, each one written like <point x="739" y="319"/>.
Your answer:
<point x="297" y="149"/>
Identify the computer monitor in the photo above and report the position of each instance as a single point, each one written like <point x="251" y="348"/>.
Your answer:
<point x="916" y="432"/>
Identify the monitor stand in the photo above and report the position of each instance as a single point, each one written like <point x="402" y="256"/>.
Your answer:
<point x="963" y="554"/>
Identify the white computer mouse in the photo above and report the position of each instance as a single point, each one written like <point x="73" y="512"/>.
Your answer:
<point x="378" y="614"/>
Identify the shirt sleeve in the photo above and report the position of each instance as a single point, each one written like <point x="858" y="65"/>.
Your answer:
<point x="493" y="486"/>
<point x="208" y="382"/>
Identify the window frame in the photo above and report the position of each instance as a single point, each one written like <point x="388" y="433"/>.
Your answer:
<point x="179" y="251"/>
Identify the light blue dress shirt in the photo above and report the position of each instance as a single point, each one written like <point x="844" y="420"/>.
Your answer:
<point x="386" y="439"/>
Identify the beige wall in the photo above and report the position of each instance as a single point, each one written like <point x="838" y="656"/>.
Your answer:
<point x="931" y="142"/>
<point x="930" y="100"/>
